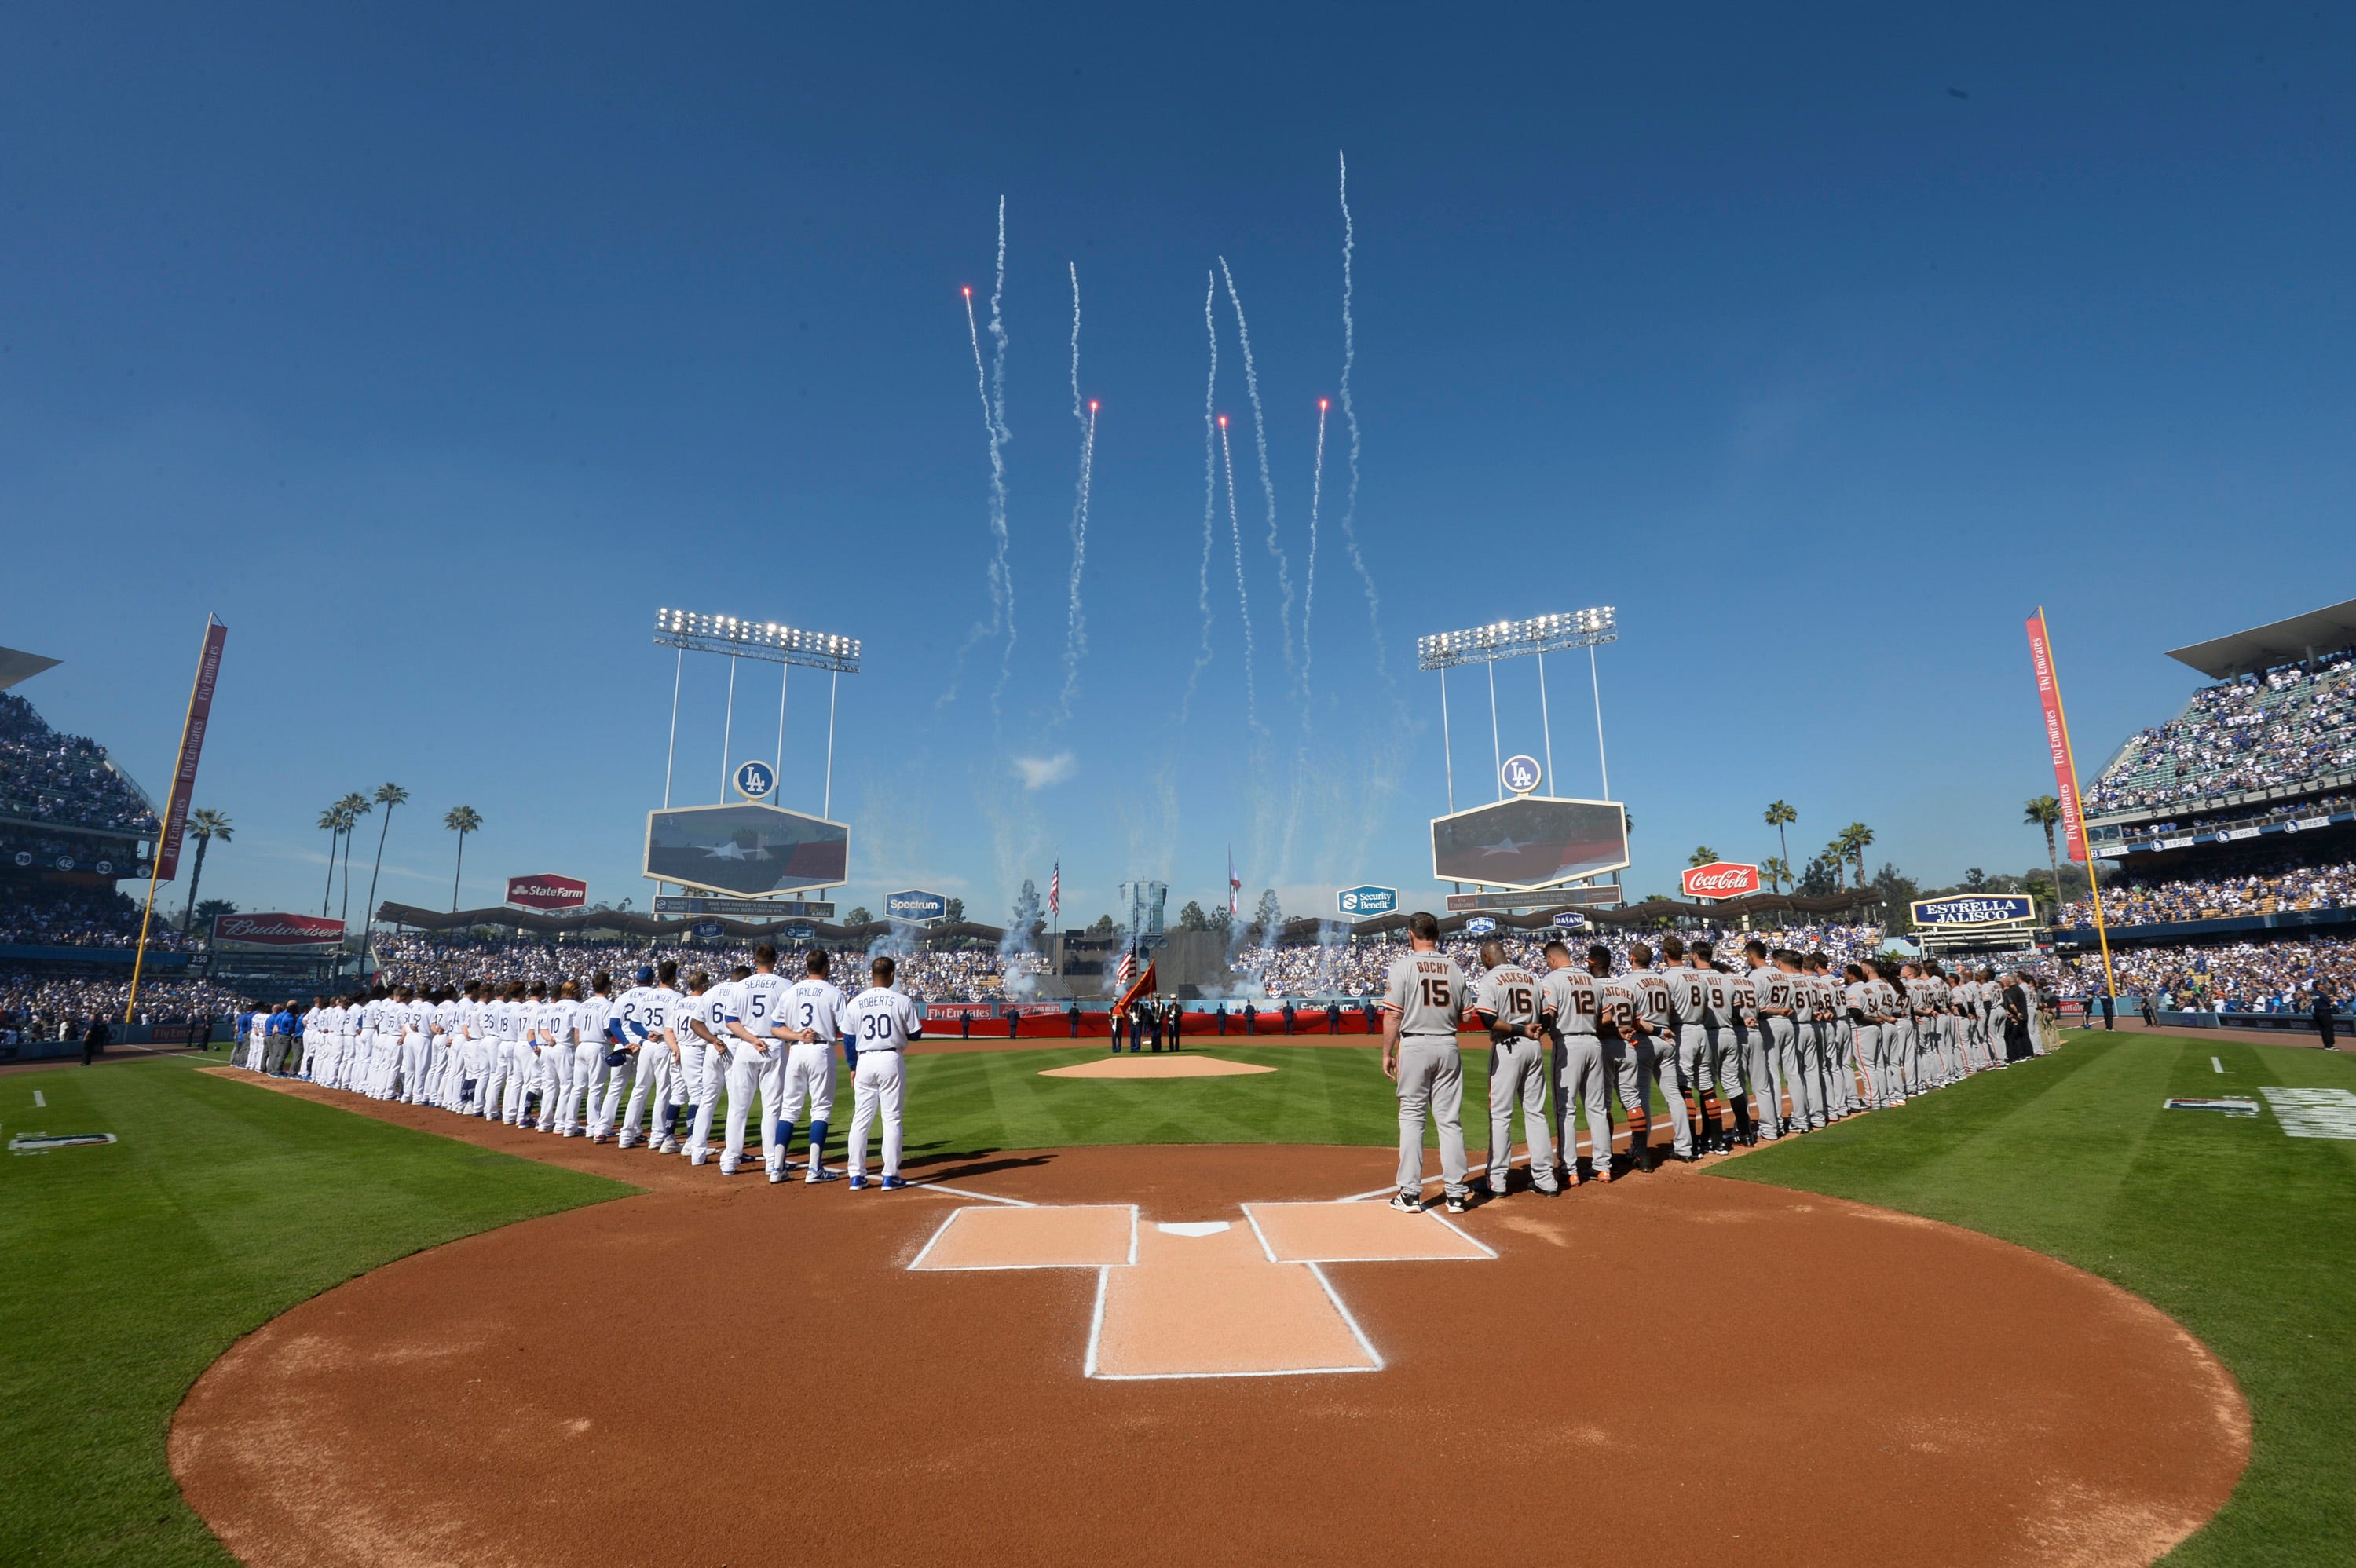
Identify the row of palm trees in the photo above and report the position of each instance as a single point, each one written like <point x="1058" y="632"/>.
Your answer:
<point x="339" y="821"/>
<point x="1848" y="845"/>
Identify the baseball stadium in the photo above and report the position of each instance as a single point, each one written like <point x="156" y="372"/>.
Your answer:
<point x="1048" y="1041"/>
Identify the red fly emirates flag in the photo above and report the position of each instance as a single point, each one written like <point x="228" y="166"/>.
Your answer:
<point x="192" y="746"/>
<point x="2057" y="737"/>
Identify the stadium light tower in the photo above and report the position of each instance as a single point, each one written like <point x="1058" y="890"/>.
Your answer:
<point x="770" y="641"/>
<point x="1536" y="636"/>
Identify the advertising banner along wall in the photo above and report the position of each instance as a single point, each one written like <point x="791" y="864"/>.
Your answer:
<point x="547" y="891"/>
<point x="275" y="933"/>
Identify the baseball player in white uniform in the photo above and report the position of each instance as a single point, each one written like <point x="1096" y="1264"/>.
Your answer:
<point x="1507" y="999"/>
<point x="756" y="1057"/>
<point x="813" y="1021"/>
<point x="579" y="1114"/>
<point x="560" y="1031"/>
<point x="645" y="1019"/>
<point x="880" y="1021"/>
<point x="1423" y="999"/>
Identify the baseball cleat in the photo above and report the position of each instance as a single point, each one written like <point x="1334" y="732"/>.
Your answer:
<point x="1494" y="1190"/>
<point x="726" y="1169"/>
<point x="776" y="1178"/>
<point x="1455" y="1202"/>
<point x="669" y="1145"/>
<point x="818" y="1174"/>
<point x="892" y="1183"/>
<point x="1407" y="1203"/>
<point x="858" y="1183"/>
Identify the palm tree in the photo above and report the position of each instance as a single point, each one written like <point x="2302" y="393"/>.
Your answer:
<point x="1778" y="871"/>
<point x="387" y="796"/>
<point x="204" y="823"/>
<point x="1835" y="857"/>
<point x="1779" y="814"/>
<point x="460" y="820"/>
<point x="354" y="807"/>
<point x="1703" y="855"/>
<point x="1856" y="836"/>
<point x="2044" y="811"/>
<point x="331" y="823"/>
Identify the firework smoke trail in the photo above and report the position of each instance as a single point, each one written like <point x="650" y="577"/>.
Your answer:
<point x="1266" y="483"/>
<point x="1243" y="596"/>
<point x="1350" y="418"/>
<point x="1210" y="495"/>
<point x="1308" y="592"/>
<point x="1075" y="636"/>
<point x="997" y="510"/>
<point x="1001" y="572"/>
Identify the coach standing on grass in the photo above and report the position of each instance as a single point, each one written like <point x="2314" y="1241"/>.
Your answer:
<point x="2324" y="1022"/>
<point x="1423" y="996"/>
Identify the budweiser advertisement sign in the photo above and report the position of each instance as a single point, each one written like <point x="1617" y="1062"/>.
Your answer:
<point x="547" y="891"/>
<point x="1722" y="879"/>
<point x="275" y="931"/>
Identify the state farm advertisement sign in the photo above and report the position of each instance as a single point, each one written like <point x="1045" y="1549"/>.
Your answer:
<point x="547" y="891"/>
<point x="1722" y="879"/>
<point x="275" y="931"/>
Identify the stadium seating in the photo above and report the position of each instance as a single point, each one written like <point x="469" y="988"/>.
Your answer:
<point x="2276" y="730"/>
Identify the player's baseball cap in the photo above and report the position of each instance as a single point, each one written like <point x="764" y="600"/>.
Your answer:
<point x="646" y="975"/>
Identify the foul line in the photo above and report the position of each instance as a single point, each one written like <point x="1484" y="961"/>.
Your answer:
<point x="2217" y="1064"/>
<point x="922" y="1184"/>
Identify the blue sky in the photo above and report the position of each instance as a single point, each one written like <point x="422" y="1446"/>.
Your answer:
<point x="435" y="350"/>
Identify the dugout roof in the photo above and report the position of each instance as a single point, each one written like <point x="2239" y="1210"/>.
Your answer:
<point x="2277" y="643"/>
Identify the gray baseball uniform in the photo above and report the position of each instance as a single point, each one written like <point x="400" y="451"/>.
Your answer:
<point x="1648" y="1000"/>
<point x="1779" y="1003"/>
<point x="1427" y="993"/>
<point x="1570" y="1003"/>
<point x="1509" y="996"/>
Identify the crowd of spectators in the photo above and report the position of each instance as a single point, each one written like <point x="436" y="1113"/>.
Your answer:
<point x="1357" y="969"/>
<point x="52" y="916"/>
<point x="2244" y="977"/>
<point x="2238" y="817"/>
<point x="39" y="1005"/>
<point x="2257" y="884"/>
<point x="963" y="975"/>
<point x="2257" y="733"/>
<point x="46" y="776"/>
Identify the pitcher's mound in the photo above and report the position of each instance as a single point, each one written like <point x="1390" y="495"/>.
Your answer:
<point x="1155" y="1067"/>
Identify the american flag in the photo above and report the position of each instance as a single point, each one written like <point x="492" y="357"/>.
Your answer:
<point x="1056" y="890"/>
<point x="1127" y="970"/>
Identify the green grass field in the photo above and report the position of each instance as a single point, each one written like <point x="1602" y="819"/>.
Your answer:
<point x="133" y="1266"/>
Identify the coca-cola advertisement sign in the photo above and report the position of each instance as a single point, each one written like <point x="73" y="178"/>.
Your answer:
<point x="1722" y="879"/>
<point x="275" y="931"/>
<point x="547" y="891"/>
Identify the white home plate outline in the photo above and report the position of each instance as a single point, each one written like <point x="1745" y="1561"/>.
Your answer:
<point x="1461" y="1247"/>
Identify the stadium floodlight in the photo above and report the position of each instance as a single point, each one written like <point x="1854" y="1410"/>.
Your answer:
<point x="1516" y="639"/>
<point x="1535" y="636"/>
<point x="755" y="640"/>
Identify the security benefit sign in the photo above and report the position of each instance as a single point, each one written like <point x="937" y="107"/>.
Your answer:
<point x="1534" y="842"/>
<point x="1366" y="900"/>
<point x="745" y="849"/>
<point x="1973" y="909"/>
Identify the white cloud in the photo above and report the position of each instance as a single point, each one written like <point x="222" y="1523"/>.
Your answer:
<point x="1038" y="772"/>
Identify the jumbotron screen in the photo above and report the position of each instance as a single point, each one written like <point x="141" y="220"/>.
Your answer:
<point x="1535" y="841"/>
<point x="746" y="850"/>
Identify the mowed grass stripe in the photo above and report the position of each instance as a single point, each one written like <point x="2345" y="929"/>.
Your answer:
<point x="2235" y="1228"/>
<point x="132" y="1267"/>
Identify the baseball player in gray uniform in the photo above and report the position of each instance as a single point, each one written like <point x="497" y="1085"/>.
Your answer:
<point x="1776" y="990"/>
<point x="1506" y="998"/>
<point x="1570" y="1005"/>
<point x="1694" y="1050"/>
<point x="1423" y="997"/>
<point x="1652" y="1057"/>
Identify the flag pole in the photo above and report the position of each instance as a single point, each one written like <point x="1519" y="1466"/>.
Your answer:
<point x="2078" y="807"/>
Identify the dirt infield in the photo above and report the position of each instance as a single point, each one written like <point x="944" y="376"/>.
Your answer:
<point x="1672" y="1369"/>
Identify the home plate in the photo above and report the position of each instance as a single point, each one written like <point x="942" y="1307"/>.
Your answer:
<point x="1180" y="1066"/>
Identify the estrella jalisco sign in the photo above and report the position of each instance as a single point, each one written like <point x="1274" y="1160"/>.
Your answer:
<point x="1973" y="909"/>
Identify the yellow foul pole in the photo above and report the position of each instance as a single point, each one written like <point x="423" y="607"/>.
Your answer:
<point x="205" y="658"/>
<point x="2078" y="806"/>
